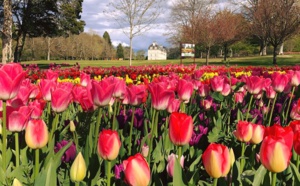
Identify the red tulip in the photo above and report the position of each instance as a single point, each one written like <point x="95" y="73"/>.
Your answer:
<point x="185" y="90"/>
<point x="296" y="142"/>
<point x="216" y="160"/>
<point x="295" y="125"/>
<point x="244" y="131"/>
<point x="160" y="96"/>
<point x="275" y="154"/>
<point x="181" y="128"/>
<point x="36" y="134"/>
<point x="217" y="83"/>
<point x="136" y="171"/>
<point x="11" y="77"/>
<point x="254" y="84"/>
<point x="258" y="134"/>
<point x="279" y="81"/>
<point x="102" y="92"/>
<point x="284" y="132"/>
<point x="108" y="144"/>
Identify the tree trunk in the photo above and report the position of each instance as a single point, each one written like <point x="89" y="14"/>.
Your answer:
<point x="207" y="55"/>
<point x="19" y="47"/>
<point x="48" y="47"/>
<point x="281" y="49"/>
<point x="130" y="52"/>
<point x="7" y="31"/>
<point x="275" y="55"/>
<point x="225" y="52"/>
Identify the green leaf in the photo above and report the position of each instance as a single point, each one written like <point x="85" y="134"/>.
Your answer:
<point x="195" y="162"/>
<point x="217" y="96"/>
<point x="177" y="176"/>
<point x="259" y="175"/>
<point x="296" y="174"/>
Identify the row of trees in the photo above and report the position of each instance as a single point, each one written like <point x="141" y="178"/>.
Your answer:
<point x="262" y="22"/>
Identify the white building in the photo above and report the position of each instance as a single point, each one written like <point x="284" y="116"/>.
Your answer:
<point x="157" y="52"/>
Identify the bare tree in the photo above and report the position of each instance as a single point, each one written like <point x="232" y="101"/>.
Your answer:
<point x="7" y="32"/>
<point x="274" y="21"/>
<point x="135" y="16"/>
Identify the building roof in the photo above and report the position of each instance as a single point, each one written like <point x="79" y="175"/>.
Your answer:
<point x="155" y="46"/>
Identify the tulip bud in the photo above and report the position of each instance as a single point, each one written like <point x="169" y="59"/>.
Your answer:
<point x="216" y="160"/>
<point x="232" y="157"/>
<point x="145" y="150"/>
<point x="16" y="182"/>
<point x="72" y="126"/>
<point x="171" y="162"/>
<point x="36" y="134"/>
<point x="78" y="169"/>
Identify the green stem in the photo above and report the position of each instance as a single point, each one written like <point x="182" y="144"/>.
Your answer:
<point x="108" y="172"/>
<point x="75" y="140"/>
<point x="152" y="136"/>
<point x="49" y="111"/>
<point x="274" y="177"/>
<point x="37" y="163"/>
<point x="97" y="128"/>
<point x="249" y="107"/>
<point x="54" y="126"/>
<point x="288" y="108"/>
<point x="17" y="149"/>
<point x="77" y="183"/>
<point x="130" y="132"/>
<point x="215" y="182"/>
<point x="242" y="157"/>
<point x="4" y="136"/>
<point x="271" y="113"/>
<point x="114" y="116"/>
<point x="298" y="162"/>
<point x="179" y="152"/>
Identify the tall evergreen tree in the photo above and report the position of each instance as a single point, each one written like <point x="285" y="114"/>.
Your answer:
<point x="120" y="51"/>
<point x="106" y="37"/>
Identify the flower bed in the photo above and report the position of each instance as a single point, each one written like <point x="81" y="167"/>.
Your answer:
<point x="150" y="125"/>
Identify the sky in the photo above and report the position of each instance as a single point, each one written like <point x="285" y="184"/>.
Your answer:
<point x="97" y="21"/>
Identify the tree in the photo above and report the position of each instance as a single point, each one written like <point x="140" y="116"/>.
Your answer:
<point x="44" y="18"/>
<point x="135" y="16"/>
<point x="229" y="28"/>
<point x="275" y="20"/>
<point x="107" y="52"/>
<point x="120" y="51"/>
<point x="140" y="55"/>
<point x="6" y="31"/>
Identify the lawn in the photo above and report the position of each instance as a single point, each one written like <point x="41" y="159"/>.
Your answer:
<point x="282" y="60"/>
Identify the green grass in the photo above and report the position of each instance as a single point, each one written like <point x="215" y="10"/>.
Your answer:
<point x="282" y="60"/>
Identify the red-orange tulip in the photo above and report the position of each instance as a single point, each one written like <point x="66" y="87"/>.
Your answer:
<point x="181" y="128"/>
<point x="136" y="171"/>
<point x="216" y="160"/>
<point x="244" y="131"/>
<point x="36" y="134"/>
<point x="109" y="144"/>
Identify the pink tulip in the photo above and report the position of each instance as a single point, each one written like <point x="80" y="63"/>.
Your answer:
<point x="102" y="92"/>
<point x="180" y="128"/>
<point x="85" y="79"/>
<point x="203" y="90"/>
<point x="171" y="162"/>
<point x="239" y="97"/>
<point x="258" y="134"/>
<point x="136" y="171"/>
<point x="226" y="89"/>
<point x="206" y="103"/>
<point x="120" y="87"/>
<point x="52" y="75"/>
<point x="109" y="144"/>
<point x="216" y="160"/>
<point x="36" y="134"/>
<point x="46" y="87"/>
<point x="160" y="96"/>
<point x="279" y="81"/>
<point x="254" y="84"/>
<point x="270" y="92"/>
<point x="18" y="118"/>
<point x="61" y="97"/>
<point x="173" y="105"/>
<point x="185" y="90"/>
<point x="11" y="77"/>
<point x="244" y="131"/>
<point x="275" y="154"/>
<point x="136" y="94"/>
<point x="217" y="83"/>
<point x="82" y="95"/>
<point x="295" y="79"/>
<point x="37" y="107"/>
